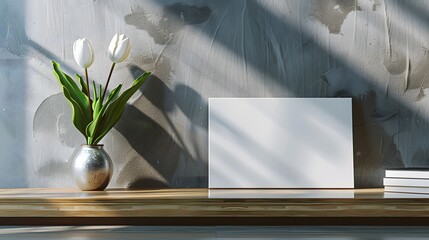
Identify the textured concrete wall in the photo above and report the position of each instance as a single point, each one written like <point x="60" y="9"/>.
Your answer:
<point x="372" y="50"/>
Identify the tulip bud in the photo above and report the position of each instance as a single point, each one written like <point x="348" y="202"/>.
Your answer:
<point x="83" y="53"/>
<point x="119" y="48"/>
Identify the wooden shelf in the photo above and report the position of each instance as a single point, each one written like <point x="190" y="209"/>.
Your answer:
<point x="176" y="205"/>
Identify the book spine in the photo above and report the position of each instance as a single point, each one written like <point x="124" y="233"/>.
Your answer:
<point x="406" y="190"/>
<point x="406" y="182"/>
<point x="406" y="174"/>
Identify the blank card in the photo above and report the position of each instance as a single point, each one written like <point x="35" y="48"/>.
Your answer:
<point x="280" y="143"/>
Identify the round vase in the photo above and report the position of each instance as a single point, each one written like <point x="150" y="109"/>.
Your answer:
<point x="91" y="168"/>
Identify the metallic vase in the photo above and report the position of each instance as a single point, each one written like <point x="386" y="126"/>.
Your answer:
<point x="91" y="168"/>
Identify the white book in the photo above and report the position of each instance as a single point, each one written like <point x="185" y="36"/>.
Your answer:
<point x="406" y="182"/>
<point x="404" y="195"/>
<point x="421" y="190"/>
<point x="408" y="173"/>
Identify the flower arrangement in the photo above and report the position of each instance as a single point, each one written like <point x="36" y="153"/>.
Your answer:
<point x="94" y="116"/>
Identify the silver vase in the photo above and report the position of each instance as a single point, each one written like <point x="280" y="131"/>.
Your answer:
<point x="91" y="167"/>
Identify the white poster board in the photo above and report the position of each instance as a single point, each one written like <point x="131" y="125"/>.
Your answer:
<point x="280" y="143"/>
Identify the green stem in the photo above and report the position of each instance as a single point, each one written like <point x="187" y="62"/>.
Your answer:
<point x="107" y="83"/>
<point x="88" y="94"/>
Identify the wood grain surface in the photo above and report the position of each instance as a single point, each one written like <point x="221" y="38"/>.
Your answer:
<point x="179" y="203"/>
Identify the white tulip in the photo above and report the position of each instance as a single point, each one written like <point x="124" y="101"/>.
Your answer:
<point x="83" y="53"/>
<point x="119" y="48"/>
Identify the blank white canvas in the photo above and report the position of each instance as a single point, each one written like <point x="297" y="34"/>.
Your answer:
<point x="280" y="143"/>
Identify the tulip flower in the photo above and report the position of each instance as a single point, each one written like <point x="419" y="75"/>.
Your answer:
<point x="84" y="57"/>
<point x="96" y="119"/>
<point x="119" y="48"/>
<point x="83" y="53"/>
<point x="118" y="51"/>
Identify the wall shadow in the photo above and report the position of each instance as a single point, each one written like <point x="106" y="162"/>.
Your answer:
<point x="154" y="142"/>
<point x="13" y="85"/>
<point x="374" y="147"/>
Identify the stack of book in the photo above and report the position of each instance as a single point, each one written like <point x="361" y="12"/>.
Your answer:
<point x="407" y="180"/>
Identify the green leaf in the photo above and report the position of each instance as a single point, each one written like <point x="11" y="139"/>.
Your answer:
<point x="97" y="107"/>
<point x="95" y="90"/>
<point x="105" y="115"/>
<point x="78" y="116"/>
<point x="100" y="92"/>
<point x="114" y="110"/>
<point x="93" y="126"/>
<point x="66" y="81"/>
<point x="77" y="98"/>
<point x="113" y="94"/>
<point x="82" y="83"/>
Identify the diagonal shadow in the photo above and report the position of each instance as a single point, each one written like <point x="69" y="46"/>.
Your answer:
<point x="272" y="62"/>
<point x="153" y="141"/>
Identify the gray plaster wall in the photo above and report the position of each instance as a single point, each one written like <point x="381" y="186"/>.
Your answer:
<point x="372" y="50"/>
